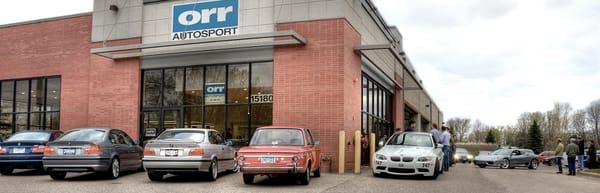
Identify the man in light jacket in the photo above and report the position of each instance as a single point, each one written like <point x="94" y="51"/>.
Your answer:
<point x="559" y="153"/>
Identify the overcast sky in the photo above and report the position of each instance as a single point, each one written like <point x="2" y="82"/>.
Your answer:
<point x="482" y="59"/>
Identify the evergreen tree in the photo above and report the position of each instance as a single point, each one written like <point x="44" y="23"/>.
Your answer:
<point x="490" y="138"/>
<point x="534" y="139"/>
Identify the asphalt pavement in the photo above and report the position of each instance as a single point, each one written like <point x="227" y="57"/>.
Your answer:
<point x="462" y="178"/>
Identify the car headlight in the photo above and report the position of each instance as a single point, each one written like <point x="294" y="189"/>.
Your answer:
<point x="380" y="157"/>
<point x="425" y="159"/>
<point x="469" y="156"/>
<point x="456" y="157"/>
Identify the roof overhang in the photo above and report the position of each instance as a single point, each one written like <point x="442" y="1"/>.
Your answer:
<point x="270" y="39"/>
<point x="369" y="52"/>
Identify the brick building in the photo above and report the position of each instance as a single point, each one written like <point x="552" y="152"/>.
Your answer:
<point x="144" y="66"/>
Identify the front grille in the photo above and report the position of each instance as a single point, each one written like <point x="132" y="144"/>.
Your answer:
<point x="401" y="170"/>
<point x="380" y="167"/>
<point x="408" y="159"/>
<point x="490" y="163"/>
<point x="396" y="159"/>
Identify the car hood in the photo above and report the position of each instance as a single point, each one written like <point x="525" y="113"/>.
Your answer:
<point x="272" y="149"/>
<point x="406" y="150"/>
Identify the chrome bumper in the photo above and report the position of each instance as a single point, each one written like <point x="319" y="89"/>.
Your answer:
<point x="274" y="170"/>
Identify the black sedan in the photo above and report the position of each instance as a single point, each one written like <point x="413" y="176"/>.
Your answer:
<point x="109" y="151"/>
<point x="25" y="150"/>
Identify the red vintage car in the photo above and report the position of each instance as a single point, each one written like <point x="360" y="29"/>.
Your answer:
<point x="281" y="151"/>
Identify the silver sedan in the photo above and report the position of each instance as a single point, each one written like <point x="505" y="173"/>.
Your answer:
<point x="188" y="150"/>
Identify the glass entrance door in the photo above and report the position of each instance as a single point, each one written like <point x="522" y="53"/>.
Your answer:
<point x="171" y="119"/>
<point x="150" y="124"/>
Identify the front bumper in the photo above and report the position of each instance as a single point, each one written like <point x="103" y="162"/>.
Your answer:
<point x="494" y="163"/>
<point x="21" y="161"/>
<point x="176" y="165"/>
<point x="76" y="164"/>
<point x="404" y="168"/>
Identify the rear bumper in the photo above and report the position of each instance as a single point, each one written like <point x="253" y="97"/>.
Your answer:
<point x="21" y="161"/>
<point x="272" y="170"/>
<point x="177" y="165"/>
<point x="77" y="164"/>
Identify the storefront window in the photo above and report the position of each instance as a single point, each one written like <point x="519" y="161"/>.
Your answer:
<point x="173" y="87"/>
<point x="32" y="104"/>
<point x="237" y="84"/>
<point x="233" y="99"/>
<point x="152" y="88"/>
<point x="375" y="109"/>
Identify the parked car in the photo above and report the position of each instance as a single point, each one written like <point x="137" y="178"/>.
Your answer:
<point x="462" y="155"/>
<point x="25" y="150"/>
<point x="409" y="153"/>
<point x="92" y="150"/>
<point x="188" y="150"/>
<point x="547" y="157"/>
<point x="281" y="151"/>
<point x="508" y="158"/>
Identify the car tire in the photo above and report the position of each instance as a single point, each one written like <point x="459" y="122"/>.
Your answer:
<point x="58" y="175"/>
<point x="305" y="177"/>
<point x="213" y="170"/>
<point x="6" y="171"/>
<point x="114" y="171"/>
<point x="481" y="166"/>
<point x="248" y="178"/>
<point x="437" y="171"/>
<point x="377" y="175"/>
<point x="155" y="176"/>
<point x="533" y="164"/>
<point x="551" y="162"/>
<point x="317" y="173"/>
<point x="505" y="164"/>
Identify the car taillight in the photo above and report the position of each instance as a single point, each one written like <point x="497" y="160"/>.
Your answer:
<point x="2" y="150"/>
<point x="149" y="152"/>
<point x="38" y="149"/>
<point x="196" y="152"/>
<point x="92" y="150"/>
<point x="48" y="151"/>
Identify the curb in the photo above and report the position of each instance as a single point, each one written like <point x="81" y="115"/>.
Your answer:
<point x="590" y="174"/>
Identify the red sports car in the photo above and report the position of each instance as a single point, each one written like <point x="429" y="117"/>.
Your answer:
<point x="281" y="151"/>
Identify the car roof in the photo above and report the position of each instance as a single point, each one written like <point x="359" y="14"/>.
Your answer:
<point x="415" y="132"/>
<point x="38" y="131"/>
<point x="190" y="129"/>
<point x="280" y="127"/>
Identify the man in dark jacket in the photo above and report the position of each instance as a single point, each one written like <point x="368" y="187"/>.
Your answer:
<point x="411" y="128"/>
<point x="581" y="145"/>
<point x="572" y="151"/>
<point x="592" y="155"/>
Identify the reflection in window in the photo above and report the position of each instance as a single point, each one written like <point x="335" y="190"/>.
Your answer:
<point x="193" y="117"/>
<point x="37" y="95"/>
<point x="262" y="78"/>
<point x="53" y="94"/>
<point x="52" y="121"/>
<point x="237" y="85"/>
<point x="194" y="79"/>
<point x="36" y="121"/>
<point x="215" y="118"/>
<point x="173" y="87"/>
<point x="6" y="97"/>
<point x="237" y="122"/>
<point x="6" y="125"/>
<point x="22" y="96"/>
<point x="152" y="87"/>
<point x="171" y="119"/>
<point x="20" y="122"/>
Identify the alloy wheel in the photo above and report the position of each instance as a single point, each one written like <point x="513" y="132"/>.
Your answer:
<point x="115" y="168"/>
<point x="505" y="164"/>
<point x="214" y="170"/>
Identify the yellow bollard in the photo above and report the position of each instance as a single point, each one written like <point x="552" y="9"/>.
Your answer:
<point x="372" y="145"/>
<point x="357" y="146"/>
<point x="342" y="152"/>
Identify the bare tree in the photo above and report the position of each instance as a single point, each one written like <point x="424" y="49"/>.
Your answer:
<point x="593" y="114"/>
<point x="579" y="122"/>
<point x="460" y="126"/>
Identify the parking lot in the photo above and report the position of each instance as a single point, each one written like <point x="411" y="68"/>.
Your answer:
<point x="462" y="178"/>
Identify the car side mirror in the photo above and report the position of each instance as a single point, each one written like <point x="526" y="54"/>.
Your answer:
<point x="317" y="142"/>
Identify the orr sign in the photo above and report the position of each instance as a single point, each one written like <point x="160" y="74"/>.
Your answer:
<point x="205" y="19"/>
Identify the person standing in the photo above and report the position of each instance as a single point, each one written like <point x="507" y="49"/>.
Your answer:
<point x="581" y="145"/>
<point x="445" y="141"/>
<point x="559" y="153"/>
<point x="592" y="155"/>
<point x="436" y="133"/>
<point x="572" y="151"/>
<point x="411" y="127"/>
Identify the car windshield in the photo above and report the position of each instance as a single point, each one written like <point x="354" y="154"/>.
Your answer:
<point x="83" y="135"/>
<point x="30" y="136"/>
<point x="462" y="151"/>
<point x="182" y="135"/>
<point x="411" y="139"/>
<point x="276" y="137"/>
<point x="502" y="152"/>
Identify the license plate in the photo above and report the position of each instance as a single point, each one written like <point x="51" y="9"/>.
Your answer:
<point x="68" y="151"/>
<point x="267" y="159"/>
<point x="401" y="165"/>
<point x="171" y="152"/>
<point x="18" y="150"/>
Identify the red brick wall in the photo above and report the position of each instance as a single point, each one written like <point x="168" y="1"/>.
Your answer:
<point x="318" y="85"/>
<point x="95" y="92"/>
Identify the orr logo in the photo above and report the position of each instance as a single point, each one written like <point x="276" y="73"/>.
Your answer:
<point x="205" y="19"/>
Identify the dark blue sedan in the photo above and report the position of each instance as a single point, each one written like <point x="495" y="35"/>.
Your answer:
<point x="25" y="150"/>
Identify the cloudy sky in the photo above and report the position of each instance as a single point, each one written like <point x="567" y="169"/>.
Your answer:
<point x="482" y="59"/>
<point x="492" y="60"/>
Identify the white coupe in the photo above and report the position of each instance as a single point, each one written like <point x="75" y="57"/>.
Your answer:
<point x="409" y="153"/>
